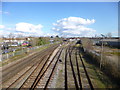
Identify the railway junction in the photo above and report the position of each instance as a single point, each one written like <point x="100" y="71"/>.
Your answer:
<point x="58" y="66"/>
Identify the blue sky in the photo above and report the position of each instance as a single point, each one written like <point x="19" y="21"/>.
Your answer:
<point x="45" y="14"/>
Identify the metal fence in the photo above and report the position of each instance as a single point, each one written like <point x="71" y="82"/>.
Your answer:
<point x="106" y="59"/>
<point x="24" y="50"/>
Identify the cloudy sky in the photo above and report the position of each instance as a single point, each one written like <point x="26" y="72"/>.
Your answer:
<point x="59" y="18"/>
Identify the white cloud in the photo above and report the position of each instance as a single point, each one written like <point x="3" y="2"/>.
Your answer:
<point x="4" y="33"/>
<point x="4" y="12"/>
<point x="1" y="30"/>
<point x="1" y="33"/>
<point x="25" y="29"/>
<point x="2" y="26"/>
<point x="50" y="34"/>
<point x="29" y="28"/>
<point x="74" y="26"/>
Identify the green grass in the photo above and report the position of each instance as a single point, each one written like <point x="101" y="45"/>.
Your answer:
<point x="94" y="75"/>
<point x="113" y="53"/>
<point x="100" y="80"/>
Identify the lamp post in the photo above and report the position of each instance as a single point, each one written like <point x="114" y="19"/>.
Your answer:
<point x="101" y="58"/>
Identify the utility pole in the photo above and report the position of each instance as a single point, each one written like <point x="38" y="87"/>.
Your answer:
<point x="101" y="58"/>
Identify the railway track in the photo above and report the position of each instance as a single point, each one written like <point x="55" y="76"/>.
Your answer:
<point x="52" y="72"/>
<point x="74" y="61"/>
<point x="21" y="64"/>
<point x="17" y="82"/>
<point x="36" y="82"/>
<point x="86" y="73"/>
<point x="41" y="73"/>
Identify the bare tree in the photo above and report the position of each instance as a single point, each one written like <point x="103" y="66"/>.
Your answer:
<point x="11" y="37"/>
<point x="19" y="36"/>
<point x="109" y="34"/>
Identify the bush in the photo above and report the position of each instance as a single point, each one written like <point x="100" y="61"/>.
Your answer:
<point x="107" y="67"/>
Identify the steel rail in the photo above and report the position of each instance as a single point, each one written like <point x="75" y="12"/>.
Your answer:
<point x="66" y="85"/>
<point x="78" y="71"/>
<point x="27" y="70"/>
<point x="38" y="79"/>
<point x="23" y="75"/>
<point x="25" y="61"/>
<point x="52" y="70"/>
<point x="37" y="67"/>
<point x="73" y="72"/>
<point x="88" y="78"/>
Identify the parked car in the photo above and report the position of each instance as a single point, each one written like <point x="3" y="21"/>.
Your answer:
<point x="5" y="51"/>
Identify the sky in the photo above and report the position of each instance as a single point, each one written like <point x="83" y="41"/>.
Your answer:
<point x="59" y="18"/>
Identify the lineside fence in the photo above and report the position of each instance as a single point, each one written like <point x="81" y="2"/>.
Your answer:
<point x="111" y="66"/>
<point x="24" y="50"/>
<point x="106" y="59"/>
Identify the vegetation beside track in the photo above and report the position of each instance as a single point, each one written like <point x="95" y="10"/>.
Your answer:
<point x="108" y="69"/>
<point x="101" y="80"/>
<point x="109" y="73"/>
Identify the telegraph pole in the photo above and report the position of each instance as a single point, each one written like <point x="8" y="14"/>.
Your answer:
<point x="101" y="58"/>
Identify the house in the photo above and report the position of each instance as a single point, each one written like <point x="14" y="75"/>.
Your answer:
<point x="13" y="41"/>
